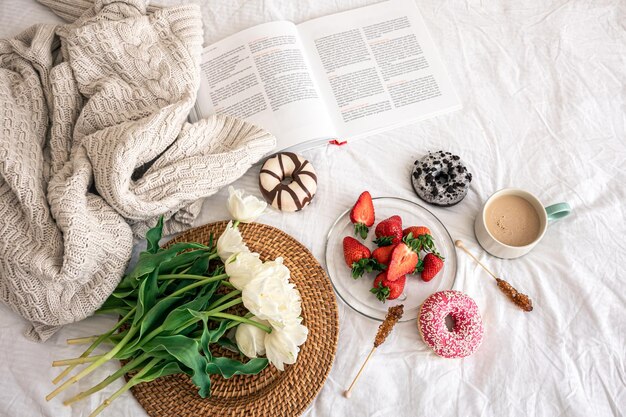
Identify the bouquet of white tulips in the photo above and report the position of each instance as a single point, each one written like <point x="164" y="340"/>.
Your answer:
<point x="173" y="307"/>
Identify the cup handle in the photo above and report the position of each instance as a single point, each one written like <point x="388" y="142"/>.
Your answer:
<point x="558" y="211"/>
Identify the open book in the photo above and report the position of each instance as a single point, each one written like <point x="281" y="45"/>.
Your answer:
<point x="341" y="76"/>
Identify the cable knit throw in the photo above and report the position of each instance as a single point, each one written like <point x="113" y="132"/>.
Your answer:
<point x="94" y="147"/>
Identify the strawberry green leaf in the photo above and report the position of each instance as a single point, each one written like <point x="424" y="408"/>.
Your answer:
<point x="425" y="242"/>
<point x="381" y="292"/>
<point x="415" y="244"/>
<point x="377" y="266"/>
<point x="428" y="244"/>
<point x="359" y="268"/>
<point x="366" y="265"/>
<point x="360" y="229"/>
<point x="419" y="267"/>
<point x="384" y="241"/>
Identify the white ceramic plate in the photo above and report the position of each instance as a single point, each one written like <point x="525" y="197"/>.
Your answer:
<point x="356" y="293"/>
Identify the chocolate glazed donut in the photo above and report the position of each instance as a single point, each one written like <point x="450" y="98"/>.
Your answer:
<point x="288" y="182"/>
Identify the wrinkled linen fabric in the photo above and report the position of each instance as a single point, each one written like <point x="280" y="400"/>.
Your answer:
<point x="94" y="147"/>
<point x="541" y="85"/>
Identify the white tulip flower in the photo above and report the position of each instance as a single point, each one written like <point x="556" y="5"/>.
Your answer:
<point x="244" y="209"/>
<point x="242" y="268"/>
<point x="230" y="242"/>
<point x="270" y="296"/>
<point x="250" y="339"/>
<point x="282" y="345"/>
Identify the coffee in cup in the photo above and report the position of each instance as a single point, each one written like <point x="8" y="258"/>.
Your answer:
<point x="512" y="221"/>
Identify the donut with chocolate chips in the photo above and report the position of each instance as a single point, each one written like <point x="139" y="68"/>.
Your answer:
<point x="440" y="178"/>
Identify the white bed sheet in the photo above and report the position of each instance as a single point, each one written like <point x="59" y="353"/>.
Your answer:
<point x="543" y="89"/>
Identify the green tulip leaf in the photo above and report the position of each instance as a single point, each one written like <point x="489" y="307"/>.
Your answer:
<point x="160" y="370"/>
<point x="186" y="351"/>
<point x="153" y="236"/>
<point x="184" y="260"/>
<point x="228" y="367"/>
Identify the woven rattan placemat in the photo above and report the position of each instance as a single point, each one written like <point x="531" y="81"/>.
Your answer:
<point x="271" y="392"/>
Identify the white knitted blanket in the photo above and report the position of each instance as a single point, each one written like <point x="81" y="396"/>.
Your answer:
<point x="94" y="147"/>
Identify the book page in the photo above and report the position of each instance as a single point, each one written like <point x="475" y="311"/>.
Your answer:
<point x="377" y="67"/>
<point x="261" y="75"/>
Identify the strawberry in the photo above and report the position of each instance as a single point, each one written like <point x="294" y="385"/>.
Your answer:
<point x="387" y="290"/>
<point x="383" y="254"/>
<point x="362" y="215"/>
<point x="357" y="257"/>
<point x="389" y="231"/>
<point x="432" y="266"/>
<point x="354" y="251"/>
<point x="403" y="261"/>
<point x="417" y="231"/>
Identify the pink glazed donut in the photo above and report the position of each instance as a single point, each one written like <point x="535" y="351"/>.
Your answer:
<point x="467" y="333"/>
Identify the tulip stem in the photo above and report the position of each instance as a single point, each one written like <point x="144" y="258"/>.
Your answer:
<point x="224" y="298"/>
<point x="228" y="284"/>
<point x="95" y="344"/>
<point x="154" y="333"/>
<point x="113" y="377"/>
<point x="131" y="383"/>
<point x="263" y="327"/>
<point x="187" y="276"/>
<point x="76" y="361"/>
<point x="197" y="284"/>
<point x="237" y="323"/>
<point x="94" y="365"/>
<point x="82" y="340"/>
<point x="224" y="306"/>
